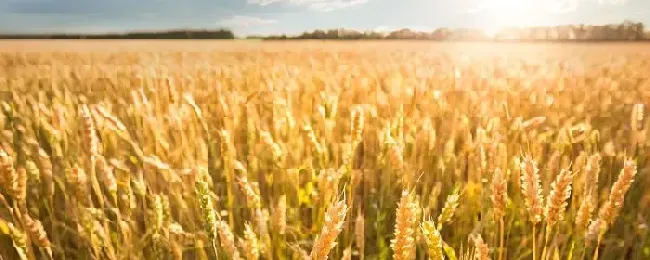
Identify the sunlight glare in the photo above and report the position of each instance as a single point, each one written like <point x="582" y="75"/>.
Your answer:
<point x="508" y="13"/>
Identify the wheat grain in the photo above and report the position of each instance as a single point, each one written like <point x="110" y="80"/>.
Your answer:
<point x="530" y="187"/>
<point x="357" y="122"/>
<point x="557" y="199"/>
<point x="483" y="251"/>
<point x="250" y="245"/>
<point x="404" y="242"/>
<point x="359" y="232"/>
<point x="585" y="211"/>
<point x="208" y="214"/>
<point x="610" y="210"/>
<point x="326" y="240"/>
<point x="499" y="194"/>
<point x="227" y="239"/>
<point x="449" y="208"/>
<point x="433" y="240"/>
<point x="280" y="215"/>
<point x="8" y="176"/>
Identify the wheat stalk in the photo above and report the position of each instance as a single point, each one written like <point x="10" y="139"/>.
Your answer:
<point x="556" y="203"/>
<point x="208" y="213"/>
<point x="357" y="122"/>
<point x="326" y="240"/>
<point x="37" y="234"/>
<point x="250" y="245"/>
<point x="227" y="239"/>
<point x="404" y="242"/>
<point x="482" y="249"/>
<point x="499" y="199"/>
<point x="359" y="232"/>
<point x="610" y="210"/>
<point x="8" y="176"/>
<point x="176" y="237"/>
<point x="433" y="239"/>
<point x="280" y="215"/>
<point x="557" y="200"/>
<point x="584" y="214"/>
<point x="530" y="187"/>
<point x="47" y="175"/>
<point x="449" y="208"/>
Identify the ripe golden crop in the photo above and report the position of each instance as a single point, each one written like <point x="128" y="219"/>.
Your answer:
<point x="314" y="150"/>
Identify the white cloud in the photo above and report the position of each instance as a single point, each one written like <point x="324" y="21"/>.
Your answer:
<point x="613" y="2"/>
<point x="245" y="21"/>
<point x="537" y="6"/>
<point x="566" y="6"/>
<point x="569" y="6"/>
<point x="263" y="2"/>
<point x="317" y="5"/>
<point x="524" y="8"/>
<point x="327" y="6"/>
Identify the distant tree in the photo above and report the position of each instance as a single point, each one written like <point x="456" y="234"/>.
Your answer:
<point x="372" y="35"/>
<point x="349" y="34"/>
<point x="440" y="34"/>
<point x="332" y="34"/>
<point x="404" y="33"/>
<point x="564" y="32"/>
<point x="640" y="31"/>
<point x="305" y="35"/>
<point x="172" y="34"/>
<point x="627" y="30"/>
<point x="319" y="34"/>
<point x="579" y="31"/>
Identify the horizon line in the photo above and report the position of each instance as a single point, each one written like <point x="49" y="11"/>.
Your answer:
<point x="223" y="28"/>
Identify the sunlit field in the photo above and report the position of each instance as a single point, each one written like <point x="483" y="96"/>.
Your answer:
<point x="324" y="150"/>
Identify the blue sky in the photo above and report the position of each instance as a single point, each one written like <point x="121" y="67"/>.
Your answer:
<point x="247" y="17"/>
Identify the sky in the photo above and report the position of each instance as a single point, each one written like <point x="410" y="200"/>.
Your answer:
<point x="248" y="17"/>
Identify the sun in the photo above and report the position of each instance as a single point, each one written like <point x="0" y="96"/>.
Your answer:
<point x="506" y="13"/>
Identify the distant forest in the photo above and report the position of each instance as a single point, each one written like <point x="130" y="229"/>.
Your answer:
<point x="625" y="31"/>
<point x="174" y="34"/>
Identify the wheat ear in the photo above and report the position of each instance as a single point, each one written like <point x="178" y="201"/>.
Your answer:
<point x="404" y="242"/>
<point x="499" y="199"/>
<point x="610" y="210"/>
<point x="530" y="187"/>
<point x="326" y="240"/>
<point x="433" y="240"/>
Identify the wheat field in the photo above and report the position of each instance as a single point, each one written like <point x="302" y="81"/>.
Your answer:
<point x="323" y="150"/>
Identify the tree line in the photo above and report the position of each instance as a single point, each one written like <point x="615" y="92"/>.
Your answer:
<point x="626" y="31"/>
<point x="173" y="34"/>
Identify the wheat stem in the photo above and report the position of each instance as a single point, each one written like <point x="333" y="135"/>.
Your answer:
<point x="501" y="236"/>
<point x="534" y="235"/>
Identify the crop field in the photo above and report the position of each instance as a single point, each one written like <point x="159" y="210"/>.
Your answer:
<point x="324" y="150"/>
